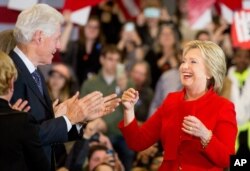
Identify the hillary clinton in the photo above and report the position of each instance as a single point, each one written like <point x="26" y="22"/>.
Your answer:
<point x="196" y="126"/>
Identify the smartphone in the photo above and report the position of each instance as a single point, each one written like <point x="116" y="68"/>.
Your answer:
<point x="120" y="70"/>
<point x="129" y="26"/>
<point x="152" y="12"/>
<point x="112" y="153"/>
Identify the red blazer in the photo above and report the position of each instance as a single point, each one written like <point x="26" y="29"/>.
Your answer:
<point x="183" y="151"/>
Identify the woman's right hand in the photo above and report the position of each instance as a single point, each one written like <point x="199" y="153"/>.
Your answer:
<point x="130" y="98"/>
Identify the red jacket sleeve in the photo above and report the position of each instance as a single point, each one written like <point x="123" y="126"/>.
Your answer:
<point x="222" y="144"/>
<point x="140" y="138"/>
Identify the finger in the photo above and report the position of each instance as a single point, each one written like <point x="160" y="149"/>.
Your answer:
<point x="90" y="96"/>
<point x="23" y="104"/>
<point x="189" y="122"/>
<point x="127" y="99"/>
<point x="130" y="94"/>
<point x="191" y="118"/>
<point x="55" y="103"/>
<point x="95" y="104"/>
<point x="75" y="97"/>
<point x="131" y="90"/>
<point x="110" y="97"/>
<point x="26" y="109"/>
<point x="18" y="102"/>
<point x="114" y="100"/>
<point x="187" y="131"/>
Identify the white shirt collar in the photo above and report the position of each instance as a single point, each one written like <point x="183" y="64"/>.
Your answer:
<point x="31" y="67"/>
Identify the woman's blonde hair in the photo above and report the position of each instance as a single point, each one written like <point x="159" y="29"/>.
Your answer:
<point x="215" y="61"/>
<point x="7" y="72"/>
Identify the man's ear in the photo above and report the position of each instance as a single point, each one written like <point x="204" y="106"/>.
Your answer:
<point x="37" y="37"/>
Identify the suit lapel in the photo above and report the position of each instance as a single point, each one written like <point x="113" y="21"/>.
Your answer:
<point x="24" y="72"/>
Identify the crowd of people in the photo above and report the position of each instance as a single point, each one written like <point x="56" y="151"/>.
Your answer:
<point x="143" y="95"/>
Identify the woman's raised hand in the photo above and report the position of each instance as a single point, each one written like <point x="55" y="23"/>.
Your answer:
<point x="130" y="98"/>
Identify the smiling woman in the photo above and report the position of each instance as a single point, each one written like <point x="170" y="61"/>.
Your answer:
<point x="192" y="124"/>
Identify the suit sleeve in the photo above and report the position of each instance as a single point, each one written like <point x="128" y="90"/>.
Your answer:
<point x="222" y="144"/>
<point x="51" y="131"/>
<point x="33" y="151"/>
<point x="140" y="138"/>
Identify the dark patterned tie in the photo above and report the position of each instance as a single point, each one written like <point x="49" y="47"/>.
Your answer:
<point x="36" y="76"/>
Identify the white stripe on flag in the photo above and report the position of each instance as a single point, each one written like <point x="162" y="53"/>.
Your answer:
<point x="131" y="7"/>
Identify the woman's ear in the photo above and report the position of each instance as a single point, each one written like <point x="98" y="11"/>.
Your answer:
<point x="11" y="85"/>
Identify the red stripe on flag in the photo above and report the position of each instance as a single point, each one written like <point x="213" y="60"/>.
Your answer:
<point x="78" y="4"/>
<point x="232" y="4"/>
<point x="7" y="15"/>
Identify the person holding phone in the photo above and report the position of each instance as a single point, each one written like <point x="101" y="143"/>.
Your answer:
<point x="196" y="126"/>
<point x="130" y="45"/>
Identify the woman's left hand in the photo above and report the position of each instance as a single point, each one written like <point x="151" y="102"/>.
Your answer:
<point x="21" y="105"/>
<point x="193" y="126"/>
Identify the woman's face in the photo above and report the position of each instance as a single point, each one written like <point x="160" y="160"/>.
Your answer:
<point x="56" y="81"/>
<point x="167" y="37"/>
<point x="193" y="72"/>
<point x="92" y="29"/>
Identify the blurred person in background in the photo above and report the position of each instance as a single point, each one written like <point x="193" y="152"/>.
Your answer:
<point x="112" y="78"/>
<point x="130" y="45"/>
<point x="239" y="75"/>
<point x="145" y="157"/>
<point x="101" y="154"/>
<point x="156" y="162"/>
<point x="78" y="152"/>
<point x="60" y="82"/>
<point x="20" y="146"/>
<point x="181" y="20"/>
<point x="148" y="23"/>
<point x="191" y="124"/>
<point x="203" y="35"/>
<point x="103" y="167"/>
<point x="111" y="20"/>
<point x="140" y="75"/>
<point x="168" y="82"/>
<point x="164" y="56"/>
<point x="82" y="54"/>
<point x="7" y="41"/>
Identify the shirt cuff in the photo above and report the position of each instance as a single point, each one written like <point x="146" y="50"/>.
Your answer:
<point x="69" y="125"/>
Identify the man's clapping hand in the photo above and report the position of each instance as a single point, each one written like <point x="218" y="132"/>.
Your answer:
<point x="88" y="108"/>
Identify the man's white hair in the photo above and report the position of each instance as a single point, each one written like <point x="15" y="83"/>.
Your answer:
<point x="39" y="17"/>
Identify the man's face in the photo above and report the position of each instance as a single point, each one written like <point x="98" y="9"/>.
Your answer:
<point x="109" y="62"/>
<point x="48" y="46"/>
<point x="139" y="74"/>
<point x="242" y="60"/>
